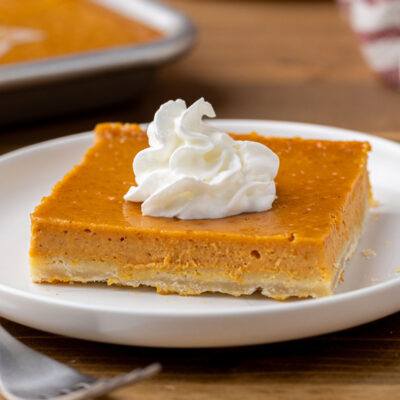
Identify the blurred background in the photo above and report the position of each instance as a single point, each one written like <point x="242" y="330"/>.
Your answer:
<point x="279" y="60"/>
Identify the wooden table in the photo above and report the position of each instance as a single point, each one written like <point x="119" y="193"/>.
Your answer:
<point x="295" y="61"/>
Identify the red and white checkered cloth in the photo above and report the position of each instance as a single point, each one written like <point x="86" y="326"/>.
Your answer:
<point x="377" y="26"/>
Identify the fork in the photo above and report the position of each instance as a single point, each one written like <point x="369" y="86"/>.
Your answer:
<point x="26" y="374"/>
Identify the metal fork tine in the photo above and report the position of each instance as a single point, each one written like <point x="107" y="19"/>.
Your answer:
<point x="28" y="375"/>
<point x="102" y="387"/>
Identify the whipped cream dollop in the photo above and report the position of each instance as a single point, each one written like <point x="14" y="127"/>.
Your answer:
<point x="193" y="170"/>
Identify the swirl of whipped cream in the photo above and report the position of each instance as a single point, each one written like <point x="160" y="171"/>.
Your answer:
<point x="194" y="171"/>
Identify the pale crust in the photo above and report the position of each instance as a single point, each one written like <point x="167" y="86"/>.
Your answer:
<point x="191" y="282"/>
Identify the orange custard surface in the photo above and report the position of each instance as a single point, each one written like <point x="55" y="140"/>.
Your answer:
<point x="65" y="27"/>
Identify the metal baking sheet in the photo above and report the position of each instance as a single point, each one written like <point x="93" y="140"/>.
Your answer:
<point x="70" y="83"/>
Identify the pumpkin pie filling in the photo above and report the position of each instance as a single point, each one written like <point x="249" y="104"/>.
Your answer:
<point x="86" y="232"/>
<point x="39" y="29"/>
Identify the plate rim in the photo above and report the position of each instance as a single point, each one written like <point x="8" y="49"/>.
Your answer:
<point x="254" y="310"/>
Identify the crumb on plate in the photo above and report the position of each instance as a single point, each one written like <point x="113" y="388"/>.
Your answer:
<point x="368" y="253"/>
<point x="375" y="203"/>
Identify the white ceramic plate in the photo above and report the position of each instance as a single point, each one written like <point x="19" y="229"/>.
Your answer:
<point x="371" y="287"/>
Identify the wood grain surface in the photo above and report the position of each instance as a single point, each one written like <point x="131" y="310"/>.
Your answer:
<point x="282" y="60"/>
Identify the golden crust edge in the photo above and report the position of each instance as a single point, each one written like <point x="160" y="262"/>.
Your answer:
<point x="56" y="269"/>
